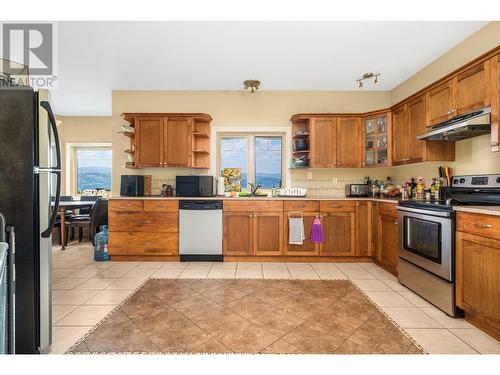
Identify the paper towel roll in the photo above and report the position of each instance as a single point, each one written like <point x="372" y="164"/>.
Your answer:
<point x="220" y="185"/>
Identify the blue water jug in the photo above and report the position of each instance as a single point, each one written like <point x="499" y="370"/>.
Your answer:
<point x="101" y="245"/>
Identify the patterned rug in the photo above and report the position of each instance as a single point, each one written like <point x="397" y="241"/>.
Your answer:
<point x="247" y="316"/>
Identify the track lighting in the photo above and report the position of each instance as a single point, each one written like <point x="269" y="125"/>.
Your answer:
<point x="367" y="76"/>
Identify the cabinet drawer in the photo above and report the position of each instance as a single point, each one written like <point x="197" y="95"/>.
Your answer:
<point x="308" y="206"/>
<point x="161" y="205"/>
<point x="336" y="206"/>
<point x="133" y="243"/>
<point x="253" y="206"/>
<point x="388" y="209"/>
<point x="126" y="205"/>
<point x="143" y="221"/>
<point x="482" y="225"/>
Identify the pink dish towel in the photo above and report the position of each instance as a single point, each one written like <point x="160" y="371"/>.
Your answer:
<point x="317" y="231"/>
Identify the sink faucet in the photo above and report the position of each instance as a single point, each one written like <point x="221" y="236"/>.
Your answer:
<point x="254" y="188"/>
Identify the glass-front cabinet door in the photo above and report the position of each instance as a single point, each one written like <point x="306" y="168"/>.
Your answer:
<point x="376" y="140"/>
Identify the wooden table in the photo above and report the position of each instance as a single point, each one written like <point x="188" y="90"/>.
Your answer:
<point x="70" y="205"/>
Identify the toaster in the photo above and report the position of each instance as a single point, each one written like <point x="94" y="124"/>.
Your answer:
<point x="357" y="190"/>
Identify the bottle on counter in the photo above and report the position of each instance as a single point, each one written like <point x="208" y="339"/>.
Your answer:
<point x="437" y="190"/>
<point x="433" y="188"/>
<point x="427" y="194"/>
<point x="375" y="188"/>
<point x="413" y="189"/>
<point x="274" y="192"/>
<point x="420" y="188"/>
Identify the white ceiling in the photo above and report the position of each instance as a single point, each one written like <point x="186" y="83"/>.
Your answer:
<point x="98" y="57"/>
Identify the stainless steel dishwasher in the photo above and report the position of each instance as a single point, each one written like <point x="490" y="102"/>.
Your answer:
<point x="200" y="230"/>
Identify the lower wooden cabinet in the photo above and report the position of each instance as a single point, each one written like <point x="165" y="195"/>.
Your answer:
<point x="478" y="273"/>
<point x="268" y="233"/>
<point x="238" y="233"/>
<point x="363" y="228"/>
<point x="386" y="238"/>
<point x="139" y="228"/>
<point x="339" y="229"/>
<point x="308" y="248"/>
<point x="253" y="233"/>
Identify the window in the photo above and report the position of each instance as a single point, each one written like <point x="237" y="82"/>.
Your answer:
<point x="260" y="158"/>
<point x="93" y="168"/>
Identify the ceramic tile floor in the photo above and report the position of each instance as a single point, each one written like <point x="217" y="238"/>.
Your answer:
<point x="85" y="291"/>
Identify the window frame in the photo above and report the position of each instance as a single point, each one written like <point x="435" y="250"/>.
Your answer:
<point x="72" y="163"/>
<point x="251" y="135"/>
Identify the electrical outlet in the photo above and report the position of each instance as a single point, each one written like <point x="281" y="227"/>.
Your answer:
<point x="335" y="181"/>
<point x="309" y="175"/>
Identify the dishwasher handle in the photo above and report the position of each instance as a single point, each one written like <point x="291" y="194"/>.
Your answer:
<point x="200" y="205"/>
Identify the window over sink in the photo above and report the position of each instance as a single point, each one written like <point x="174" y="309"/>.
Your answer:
<point x="259" y="156"/>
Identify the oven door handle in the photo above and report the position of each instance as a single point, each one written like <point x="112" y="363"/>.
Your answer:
<point x="425" y="212"/>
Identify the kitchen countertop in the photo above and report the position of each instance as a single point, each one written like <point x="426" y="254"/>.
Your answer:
<point x="485" y="210"/>
<point x="309" y="198"/>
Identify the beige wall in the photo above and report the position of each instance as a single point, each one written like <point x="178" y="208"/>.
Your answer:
<point x="81" y="130"/>
<point x="274" y="109"/>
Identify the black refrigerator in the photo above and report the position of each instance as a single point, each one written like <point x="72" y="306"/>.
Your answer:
<point x="30" y="184"/>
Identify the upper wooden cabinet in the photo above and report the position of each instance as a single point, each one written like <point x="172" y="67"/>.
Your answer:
<point x="375" y="136"/>
<point x="335" y="142"/>
<point x="148" y="141"/>
<point x="169" y="140"/>
<point x="495" y="102"/>
<point x="408" y="122"/>
<point x="177" y="140"/>
<point x="348" y="137"/>
<point x="466" y="91"/>
<point x="440" y="103"/>
<point x="323" y="142"/>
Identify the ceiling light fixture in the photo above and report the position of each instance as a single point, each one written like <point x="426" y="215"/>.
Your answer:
<point x="251" y="85"/>
<point x="367" y="76"/>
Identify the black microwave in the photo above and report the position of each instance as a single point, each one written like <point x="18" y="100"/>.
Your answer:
<point x="132" y="186"/>
<point x="194" y="186"/>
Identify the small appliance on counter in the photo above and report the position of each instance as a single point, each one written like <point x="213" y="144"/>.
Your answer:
<point x="194" y="186"/>
<point x="426" y="262"/>
<point x="357" y="190"/>
<point x="221" y="186"/>
<point x="132" y="186"/>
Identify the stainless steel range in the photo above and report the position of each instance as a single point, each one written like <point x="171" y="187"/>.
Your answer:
<point x="427" y="238"/>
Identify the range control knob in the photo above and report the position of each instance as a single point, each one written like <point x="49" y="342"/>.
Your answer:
<point x="498" y="180"/>
<point x="455" y="181"/>
<point x="462" y="180"/>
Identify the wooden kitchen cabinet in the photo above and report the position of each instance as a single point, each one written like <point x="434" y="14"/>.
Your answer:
<point x="253" y="228"/>
<point x="363" y="228"/>
<point x="440" y="103"/>
<point x="169" y="140"/>
<point x="495" y="102"/>
<point x="375" y="139"/>
<point x="399" y="127"/>
<point x="308" y="210"/>
<point x="149" y="144"/>
<point x="177" y="141"/>
<point x="238" y="233"/>
<point x="268" y="233"/>
<point x="477" y="270"/>
<point x="323" y="142"/>
<point x="143" y="229"/>
<point x="471" y="89"/>
<point x="387" y="238"/>
<point x="409" y="121"/>
<point x="348" y="142"/>
<point x="339" y="229"/>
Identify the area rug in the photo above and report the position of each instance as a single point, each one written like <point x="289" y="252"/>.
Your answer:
<point x="247" y="316"/>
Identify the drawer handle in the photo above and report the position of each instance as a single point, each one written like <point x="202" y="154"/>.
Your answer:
<point x="143" y="221"/>
<point x="482" y="226"/>
<point x="146" y="243"/>
<point x="396" y="223"/>
<point x="336" y="206"/>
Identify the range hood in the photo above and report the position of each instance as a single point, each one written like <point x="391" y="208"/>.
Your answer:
<point x="464" y="126"/>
